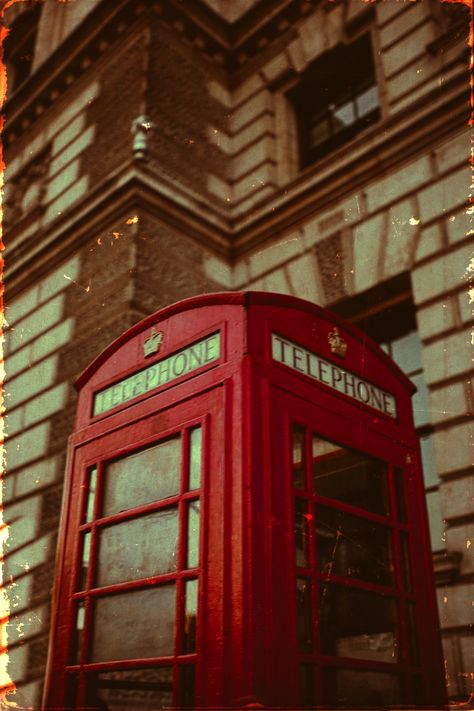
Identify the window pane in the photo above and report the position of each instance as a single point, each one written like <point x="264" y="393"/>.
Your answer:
<point x="195" y="458"/>
<point x="400" y="482"/>
<point x="303" y="605"/>
<point x="353" y="547"/>
<point x="186" y="685"/>
<point x="406" y="564"/>
<point x="367" y="101"/>
<point x="298" y="441"/>
<point x="307" y="685"/>
<point x="149" y="475"/>
<point x="343" y="116"/>
<point x="302" y="533"/>
<point x="138" y="548"/>
<point x="193" y="534"/>
<point x="91" y="494"/>
<point x="85" y="559"/>
<point x="134" y="624"/>
<point x="357" y="624"/>
<point x="190" y="616"/>
<point x="354" y="687"/>
<point x="78" y="633"/>
<point x="348" y="476"/>
<point x="131" y="689"/>
<point x="412" y="632"/>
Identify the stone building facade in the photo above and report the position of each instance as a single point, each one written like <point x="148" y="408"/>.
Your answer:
<point x="159" y="149"/>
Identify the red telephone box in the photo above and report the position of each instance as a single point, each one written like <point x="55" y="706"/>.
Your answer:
<point x="244" y="519"/>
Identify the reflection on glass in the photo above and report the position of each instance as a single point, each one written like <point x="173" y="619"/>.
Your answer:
<point x="412" y="633"/>
<point x="352" y="547"/>
<point x="307" y="685"/>
<point x="343" y="116"/>
<point x="357" y="624"/>
<point x="367" y="101"/>
<point x="319" y="132"/>
<point x="303" y="605"/>
<point x="187" y="684"/>
<point x="190" y="616"/>
<point x="91" y="494"/>
<point x="138" y="548"/>
<point x="134" y="624"/>
<point x="398" y="479"/>
<point x="406" y="565"/>
<point x="85" y="559"/>
<point x="130" y="689"/>
<point x="348" y="476"/>
<point x="302" y="533"/>
<point x="149" y="475"/>
<point x="355" y="687"/>
<point x="195" y="458"/>
<point x="78" y="633"/>
<point x="193" y="534"/>
<point x="298" y="441"/>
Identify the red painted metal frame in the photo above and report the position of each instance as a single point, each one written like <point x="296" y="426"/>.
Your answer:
<point x="247" y="646"/>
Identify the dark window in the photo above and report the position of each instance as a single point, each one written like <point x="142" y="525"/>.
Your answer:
<point x="336" y="99"/>
<point x="20" y="45"/>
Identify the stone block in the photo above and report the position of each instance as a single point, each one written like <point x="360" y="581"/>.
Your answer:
<point x="388" y="9"/>
<point x="27" y="696"/>
<point x="27" y="624"/>
<point x="241" y="273"/>
<point x="445" y="195"/>
<point x="46" y="404"/>
<point x="455" y="606"/>
<point x="367" y="245"/>
<point x="461" y="540"/>
<point x="275" y="254"/>
<point x="454" y="452"/>
<point x="398" y="184"/>
<point x="253" y="199"/>
<point x="448" y="356"/>
<point x="75" y="105"/>
<point x="276" y="68"/>
<point x="60" y="279"/>
<point x="448" y="402"/>
<point x="277" y="281"/>
<point x="466" y="305"/>
<point x="36" y="553"/>
<point x="400" y="239"/>
<point x="460" y="225"/>
<point x="18" y="362"/>
<point x="66" y="199"/>
<point x="256" y="154"/>
<point x="406" y="16"/>
<point x="51" y="341"/>
<point x="441" y="274"/>
<point x="43" y="318"/>
<point x="62" y="180"/>
<point x="37" y="476"/>
<point x="32" y="381"/>
<point x="408" y="48"/>
<point x="71" y="131"/>
<point x="19" y="592"/>
<point x="313" y="40"/>
<point x="251" y="109"/>
<point x="219" y="93"/>
<point x="18" y="663"/>
<point x="436" y="318"/>
<point x="263" y="175"/>
<point x="25" y="303"/>
<point x="26" y="447"/>
<point x="454" y="152"/>
<point x="264" y="125"/>
<point x="410" y="79"/>
<point x="297" y="55"/>
<point x="71" y="151"/>
<point x="248" y="87"/>
<point x="25" y="518"/>
<point x="304" y="280"/>
<point x="221" y="140"/>
<point x="219" y="271"/>
<point x="218" y="187"/>
<point x="13" y="421"/>
<point x="430" y="241"/>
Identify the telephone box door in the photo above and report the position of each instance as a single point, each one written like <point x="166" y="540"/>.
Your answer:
<point x="131" y="624"/>
<point x="352" y="498"/>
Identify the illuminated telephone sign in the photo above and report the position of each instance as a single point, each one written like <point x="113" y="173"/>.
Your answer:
<point x="244" y="519"/>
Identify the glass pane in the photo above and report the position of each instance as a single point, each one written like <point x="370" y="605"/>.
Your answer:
<point x="353" y="547"/>
<point x="190" y="616"/>
<point x="420" y="404"/>
<point x="367" y="101"/>
<point x="85" y="559"/>
<point x="193" y="534"/>
<point x="366" y="689"/>
<point x="71" y="692"/>
<point x="343" y="116"/>
<point x="91" y="494"/>
<point x="195" y="458"/>
<point x="134" y="624"/>
<point x="319" y="132"/>
<point x="131" y="690"/>
<point x="406" y="565"/>
<point x="307" y="685"/>
<point x="357" y="624"/>
<point x="303" y="604"/>
<point x="187" y="684"/>
<point x="138" y="548"/>
<point x="406" y="352"/>
<point x="78" y="633"/>
<point x="302" y="533"/>
<point x="298" y="457"/>
<point x="412" y="632"/>
<point x="149" y="475"/>
<point x="349" y="476"/>
<point x="400" y="482"/>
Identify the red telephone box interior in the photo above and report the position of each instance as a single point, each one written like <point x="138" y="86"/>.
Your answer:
<point x="244" y="519"/>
